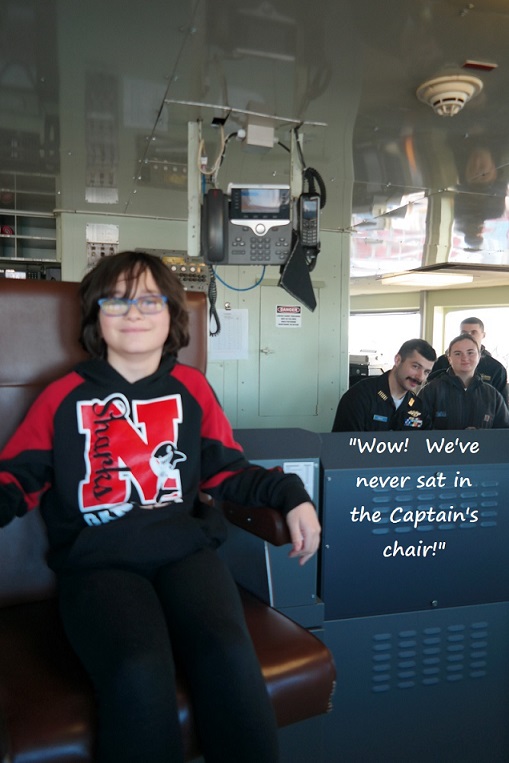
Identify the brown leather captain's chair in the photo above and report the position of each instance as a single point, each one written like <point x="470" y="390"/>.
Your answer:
<point x="46" y="702"/>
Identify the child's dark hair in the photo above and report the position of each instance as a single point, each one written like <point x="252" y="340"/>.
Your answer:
<point x="101" y="282"/>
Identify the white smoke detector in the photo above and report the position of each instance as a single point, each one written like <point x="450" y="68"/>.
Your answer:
<point x="447" y="95"/>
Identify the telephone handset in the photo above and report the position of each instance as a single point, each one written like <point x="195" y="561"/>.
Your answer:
<point x="214" y="226"/>
<point x="309" y="220"/>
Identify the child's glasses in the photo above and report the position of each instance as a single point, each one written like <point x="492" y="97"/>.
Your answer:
<point x="149" y="305"/>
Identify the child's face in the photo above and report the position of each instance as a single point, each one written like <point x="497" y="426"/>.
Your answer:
<point x="135" y="337"/>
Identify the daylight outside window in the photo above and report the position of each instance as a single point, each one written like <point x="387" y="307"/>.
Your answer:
<point x="380" y="335"/>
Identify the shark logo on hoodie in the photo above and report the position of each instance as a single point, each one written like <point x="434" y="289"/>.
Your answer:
<point x="130" y="452"/>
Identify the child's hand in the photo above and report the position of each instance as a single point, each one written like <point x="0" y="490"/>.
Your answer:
<point x="304" y="531"/>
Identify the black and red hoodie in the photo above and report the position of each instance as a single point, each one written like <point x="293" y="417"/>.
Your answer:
<point x="116" y="467"/>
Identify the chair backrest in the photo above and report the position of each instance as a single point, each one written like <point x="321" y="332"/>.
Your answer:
<point x="39" y="329"/>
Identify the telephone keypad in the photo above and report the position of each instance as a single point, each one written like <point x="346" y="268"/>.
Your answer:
<point x="248" y="248"/>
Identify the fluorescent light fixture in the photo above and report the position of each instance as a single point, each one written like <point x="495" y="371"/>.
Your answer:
<point x="424" y="280"/>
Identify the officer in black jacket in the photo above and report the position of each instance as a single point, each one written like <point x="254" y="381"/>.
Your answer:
<point x="389" y="402"/>
<point x="458" y="398"/>
<point x="489" y="369"/>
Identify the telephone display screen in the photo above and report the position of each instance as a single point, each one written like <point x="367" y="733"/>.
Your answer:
<point x="263" y="200"/>
<point x="260" y="202"/>
<point x="309" y="208"/>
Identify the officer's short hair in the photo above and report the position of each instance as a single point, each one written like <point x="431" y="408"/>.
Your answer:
<point x="473" y="320"/>
<point x="417" y="345"/>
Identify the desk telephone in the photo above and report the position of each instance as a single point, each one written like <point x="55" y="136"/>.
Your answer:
<point x="251" y="225"/>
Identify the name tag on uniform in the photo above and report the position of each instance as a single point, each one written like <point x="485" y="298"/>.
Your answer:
<point x="380" y="418"/>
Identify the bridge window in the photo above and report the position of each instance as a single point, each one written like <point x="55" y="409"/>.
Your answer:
<point x="380" y="335"/>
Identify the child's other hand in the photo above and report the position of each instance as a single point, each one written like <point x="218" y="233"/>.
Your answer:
<point x="305" y="531"/>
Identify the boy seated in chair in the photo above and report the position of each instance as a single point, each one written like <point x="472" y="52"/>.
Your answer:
<point x="115" y="454"/>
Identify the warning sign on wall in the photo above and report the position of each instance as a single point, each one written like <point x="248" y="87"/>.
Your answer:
<point x="288" y="316"/>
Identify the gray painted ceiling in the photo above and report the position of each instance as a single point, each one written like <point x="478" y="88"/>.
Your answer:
<point x="100" y="94"/>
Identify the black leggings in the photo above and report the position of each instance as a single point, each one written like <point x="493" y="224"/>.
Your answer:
<point x="124" y="625"/>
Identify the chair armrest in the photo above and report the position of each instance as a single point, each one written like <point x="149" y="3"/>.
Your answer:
<point x="264" y="522"/>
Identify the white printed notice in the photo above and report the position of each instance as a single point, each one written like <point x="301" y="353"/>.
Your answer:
<point x="232" y="341"/>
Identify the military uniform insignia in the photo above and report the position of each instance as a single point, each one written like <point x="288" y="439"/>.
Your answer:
<point x="414" y="420"/>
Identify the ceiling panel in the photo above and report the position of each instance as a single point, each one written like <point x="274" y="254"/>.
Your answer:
<point x="100" y="95"/>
